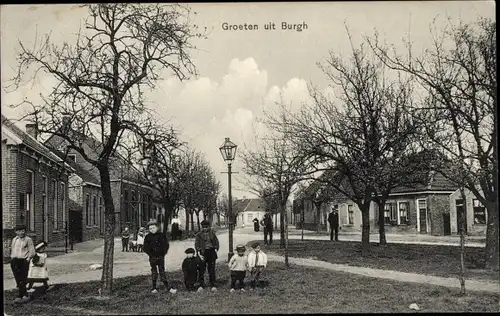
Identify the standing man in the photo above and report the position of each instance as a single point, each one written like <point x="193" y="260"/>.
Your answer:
<point x="267" y="222"/>
<point x="21" y="252"/>
<point x="206" y="244"/>
<point x="333" y="220"/>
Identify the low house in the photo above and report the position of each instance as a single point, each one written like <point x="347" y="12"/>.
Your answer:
<point x="248" y="210"/>
<point x="34" y="187"/>
<point x="425" y="209"/>
<point x="134" y="200"/>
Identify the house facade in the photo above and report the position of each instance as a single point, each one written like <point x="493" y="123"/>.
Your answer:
<point x="249" y="209"/>
<point x="133" y="199"/>
<point x="34" y="187"/>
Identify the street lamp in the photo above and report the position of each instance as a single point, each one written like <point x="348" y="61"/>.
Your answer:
<point x="228" y="152"/>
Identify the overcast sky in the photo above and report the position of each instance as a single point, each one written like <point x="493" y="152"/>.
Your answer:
<point x="242" y="72"/>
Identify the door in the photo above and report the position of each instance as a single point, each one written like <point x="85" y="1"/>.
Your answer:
<point x="446" y="224"/>
<point x="461" y="214"/>
<point x="423" y="221"/>
<point x="75" y="226"/>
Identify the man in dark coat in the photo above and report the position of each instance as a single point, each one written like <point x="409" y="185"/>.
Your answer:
<point x="333" y="220"/>
<point x="267" y="222"/>
<point x="256" y="224"/>
<point x="206" y="244"/>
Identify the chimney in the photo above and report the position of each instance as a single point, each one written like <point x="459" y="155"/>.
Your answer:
<point x="32" y="130"/>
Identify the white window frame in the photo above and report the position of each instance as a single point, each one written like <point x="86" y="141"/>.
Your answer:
<point x="30" y="202"/>
<point x="474" y="211"/>
<point x="63" y="202"/>
<point x="55" y="215"/>
<point x="350" y="209"/>
<point x="249" y="217"/>
<point x="426" y="215"/>
<point x="407" y="212"/>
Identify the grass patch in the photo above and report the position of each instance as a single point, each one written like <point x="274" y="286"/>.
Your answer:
<point x="434" y="260"/>
<point x="297" y="289"/>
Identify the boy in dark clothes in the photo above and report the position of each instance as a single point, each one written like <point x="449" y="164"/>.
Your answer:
<point x="156" y="247"/>
<point x="207" y="244"/>
<point x="190" y="267"/>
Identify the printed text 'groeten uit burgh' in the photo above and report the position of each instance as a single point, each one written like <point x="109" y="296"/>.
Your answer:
<point x="271" y="26"/>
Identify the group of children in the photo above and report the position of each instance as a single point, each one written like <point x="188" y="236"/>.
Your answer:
<point x="28" y="264"/>
<point x="133" y="245"/>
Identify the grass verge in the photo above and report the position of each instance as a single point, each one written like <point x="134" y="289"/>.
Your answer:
<point x="434" y="260"/>
<point x="294" y="290"/>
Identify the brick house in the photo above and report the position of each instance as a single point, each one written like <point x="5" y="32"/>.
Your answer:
<point x="425" y="209"/>
<point x="34" y="187"/>
<point x="133" y="199"/>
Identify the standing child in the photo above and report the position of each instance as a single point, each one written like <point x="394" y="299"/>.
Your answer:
<point x="190" y="267"/>
<point x="207" y="244"/>
<point x="38" y="271"/>
<point x="257" y="262"/>
<point x="238" y="266"/>
<point x="125" y="239"/>
<point x="140" y="240"/>
<point x="156" y="247"/>
<point x="22" y="250"/>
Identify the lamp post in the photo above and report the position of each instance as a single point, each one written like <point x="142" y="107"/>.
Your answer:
<point x="228" y="152"/>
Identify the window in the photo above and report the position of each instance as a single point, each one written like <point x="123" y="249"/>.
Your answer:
<point x="30" y="203"/>
<point x="94" y="210"/>
<point x="350" y="215"/>
<point x="72" y="157"/>
<point x="390" y="212"/>
<point x="44" y="199"/>
<point x="101" y="211"/>
<point x="404" y="208"/>
<point x="133" y="207"/>
<point x="387" y="213"/>
<point x="144" y="209"/>
<point x="87" y="209"/>
<point x="63" y="203"/>
<point x="54" y="205"/>
<point x="479" y="212"/>
<point x="126" y="197"/>
<point x="250" y="217"/>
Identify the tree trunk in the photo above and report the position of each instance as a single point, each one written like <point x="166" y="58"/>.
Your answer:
<point x="191" y="214"/>
<point x="381" y="223"/>
<point x="109" y="232"/>
<point x="218" y="219"/>
<point x="282" y="229"/>
<point x="318" y="216"/>
<point x="492" y="236"/>
<point x="285" y="221"/>
<point x="365" y="231"/>
<point x="187" y="218"/>
<point x="198" y="220"/>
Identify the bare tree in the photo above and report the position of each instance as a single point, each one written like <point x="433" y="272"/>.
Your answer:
<point x="360" y="136"/>
<point x="459" y="75"/>
<point x="277" y="167"/>
<point x="100" y="82"/>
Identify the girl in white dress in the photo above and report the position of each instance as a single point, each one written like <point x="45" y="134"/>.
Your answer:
<point x="38" y="272"/>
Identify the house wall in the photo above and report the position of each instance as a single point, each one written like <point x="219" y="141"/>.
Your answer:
<point x="91" y="225"/>
<point x="14" y="182"/>
<point x="248" y="216"/>
<point x="472" y="227"/>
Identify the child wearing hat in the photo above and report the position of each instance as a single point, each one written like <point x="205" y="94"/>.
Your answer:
<point x="206" y="245"/>
<point x="156" y="247"/>
<point x="190" y="267"/>
<point x="238" y="266"/>
<point x="21" y="252"/>
<point x="38" y="272"/>
<point x="257" y="262"/>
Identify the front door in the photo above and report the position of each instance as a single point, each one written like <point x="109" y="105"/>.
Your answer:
<point x="423" y="221"/>
<point x="461" y="215"/>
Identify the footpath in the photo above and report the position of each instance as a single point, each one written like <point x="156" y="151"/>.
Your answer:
<point x="127" y="264"/>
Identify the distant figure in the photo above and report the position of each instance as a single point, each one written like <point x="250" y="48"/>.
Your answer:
<point x="140" y="239"/>
<point x="125" y="239"/>
<point x="175" y="228"/>
<point x="333" y="220"/>
<point x="267" y="222"/>
<point x="256" y="225"/>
